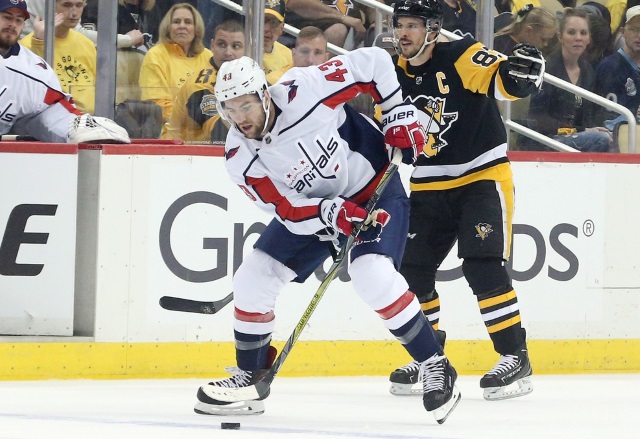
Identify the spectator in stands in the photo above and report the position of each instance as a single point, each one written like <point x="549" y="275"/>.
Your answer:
<point x="559" y="113"/>
<point x="178" y="55"/>
<point x="74" y="59"/>
<point x="618" y="38"/>
<point x="310" y="48"/>
<point x="138" y="23"/>
<point x="535" y="26"/>
<point x="277" y="57"/>
<point x="459" y="17"/>
<point x="34" y="103"/>
<point x="618" y="75"/>
<point x="88" y="23"/>
<point x="137" y="27"/>
<point x="601" y="38"/>
<point x="334" y="18"/>
<point x="195" y="117"/>
<point x="384" y="40"/>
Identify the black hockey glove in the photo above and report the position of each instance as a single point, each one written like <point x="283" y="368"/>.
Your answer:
<point x="526" y="64"/>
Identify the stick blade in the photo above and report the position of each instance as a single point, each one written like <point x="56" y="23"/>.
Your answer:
<point x="185" y="305"/>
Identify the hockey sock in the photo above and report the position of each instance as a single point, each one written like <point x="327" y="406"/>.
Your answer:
<point x="252" y="350"/>
<point x="430" y="306"/>
<point x="418" y="338"/>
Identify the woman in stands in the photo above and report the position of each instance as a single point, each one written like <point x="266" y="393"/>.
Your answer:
<point x="179" y="54"/>
<point x="559" y="113"/>
<point x="535" y="26"/>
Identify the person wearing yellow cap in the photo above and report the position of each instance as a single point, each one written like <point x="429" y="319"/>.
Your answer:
<point x="277" y="57"/>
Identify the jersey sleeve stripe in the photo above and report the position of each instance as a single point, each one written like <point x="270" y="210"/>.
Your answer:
<point x="54" y="96"/>
<point x="269" y="194"/>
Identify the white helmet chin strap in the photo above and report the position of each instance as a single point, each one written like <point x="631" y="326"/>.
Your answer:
<point x="425" y="43"/>
<point x="266" y="106"/>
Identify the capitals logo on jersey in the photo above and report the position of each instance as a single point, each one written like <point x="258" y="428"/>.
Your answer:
<point x="434" y="120"/>
<point x="292" y="88"/>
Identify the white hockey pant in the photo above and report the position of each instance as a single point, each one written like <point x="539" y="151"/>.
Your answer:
<point x="256" y="285"/>
<point x="379" y="284"/>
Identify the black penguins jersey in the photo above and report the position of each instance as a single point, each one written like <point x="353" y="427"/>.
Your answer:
<point x="456" y="93"/>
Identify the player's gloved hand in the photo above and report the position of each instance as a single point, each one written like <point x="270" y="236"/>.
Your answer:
<point x="402" y="129"/>
<point x="343" y="215"/>
<point x="526" y="64"/>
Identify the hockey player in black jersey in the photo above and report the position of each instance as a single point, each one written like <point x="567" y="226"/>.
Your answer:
<point x="462" y="187"/>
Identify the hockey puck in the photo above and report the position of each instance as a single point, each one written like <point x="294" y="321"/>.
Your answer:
<point x="230" y="426"/>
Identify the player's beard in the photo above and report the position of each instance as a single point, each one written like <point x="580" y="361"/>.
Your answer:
<point x="8" y="39"/>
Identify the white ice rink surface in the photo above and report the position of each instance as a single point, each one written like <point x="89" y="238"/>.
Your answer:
<point x="561" y="406"/>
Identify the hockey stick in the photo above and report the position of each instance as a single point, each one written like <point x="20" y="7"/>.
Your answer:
<point x="263" y="385"/>
<point x="201" y="307"/>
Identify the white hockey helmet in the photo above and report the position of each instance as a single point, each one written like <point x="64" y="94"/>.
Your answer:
<point x="240" y="77"/>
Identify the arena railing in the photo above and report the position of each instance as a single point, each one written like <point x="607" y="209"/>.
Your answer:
<point x="383" y="10"/>
<point x="105" y="96"/>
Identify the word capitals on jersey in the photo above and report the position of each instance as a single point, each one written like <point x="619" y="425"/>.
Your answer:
<point x="309" y="168"/>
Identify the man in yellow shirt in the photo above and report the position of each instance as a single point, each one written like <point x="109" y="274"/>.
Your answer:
<point x="74" y="59"/>
<point x="195" y="118"/>
<point x="277" y="57"/>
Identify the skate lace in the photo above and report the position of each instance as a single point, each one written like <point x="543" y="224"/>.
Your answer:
<point x="238" y="378"/>
<point x="414" y="366"/>
<point x="432" y="373"/>
<point x="506" y="363"/>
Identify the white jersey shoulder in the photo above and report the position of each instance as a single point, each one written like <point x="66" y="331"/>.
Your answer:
<point x="27" y="82"/>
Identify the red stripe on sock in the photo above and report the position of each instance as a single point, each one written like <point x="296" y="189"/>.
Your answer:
<point x="397" y="306"/>
<point x="254" y="317"/>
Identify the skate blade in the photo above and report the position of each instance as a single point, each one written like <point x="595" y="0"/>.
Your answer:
<point x="521" y="387"/>
<point x="442" y="413"/>
<point x="398" y="389"/>
<point x="240" y="408"/>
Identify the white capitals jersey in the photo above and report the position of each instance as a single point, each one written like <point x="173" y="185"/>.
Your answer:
<point x="31" y="99"/>
<point x="318" y="149"/>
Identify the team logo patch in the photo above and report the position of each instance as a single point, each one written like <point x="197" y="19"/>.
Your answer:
<point x="292" y="89"/>
<point x="208" y="105"/>
<point x="630" y="87"/>
<point x="231" y="152"/>
<point x="344" y="6"/>
<point x="483" y="230"/>
<point x="434" y="120"/>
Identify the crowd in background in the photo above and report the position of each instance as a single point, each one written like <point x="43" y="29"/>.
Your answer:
<point x="169" y="52"/>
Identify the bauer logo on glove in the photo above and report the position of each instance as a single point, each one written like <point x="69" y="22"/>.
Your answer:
<point x="402" y="129"/>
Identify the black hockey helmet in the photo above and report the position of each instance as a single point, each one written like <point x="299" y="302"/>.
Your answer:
<point x="429" y="10"/>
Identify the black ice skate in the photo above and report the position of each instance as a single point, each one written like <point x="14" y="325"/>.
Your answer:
<point x="440" y="394"/>
<point x="511" y="370"/>
<point x="404" y="380"/>
<point x="236" y="395"/>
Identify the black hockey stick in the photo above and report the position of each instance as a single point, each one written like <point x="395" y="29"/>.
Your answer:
<point x="201" y="307"/>
<point x="262" y="386"/>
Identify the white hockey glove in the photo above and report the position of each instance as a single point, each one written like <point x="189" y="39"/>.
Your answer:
<point x="402" y="129"/>
<point x="526" y="63"/>
<point x="93" y="129"/>
<point x="343" y="215"/>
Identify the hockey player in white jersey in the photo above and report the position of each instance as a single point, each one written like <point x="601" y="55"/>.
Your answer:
<point x="31" y="100"/>
<point x="300" y="154"/>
